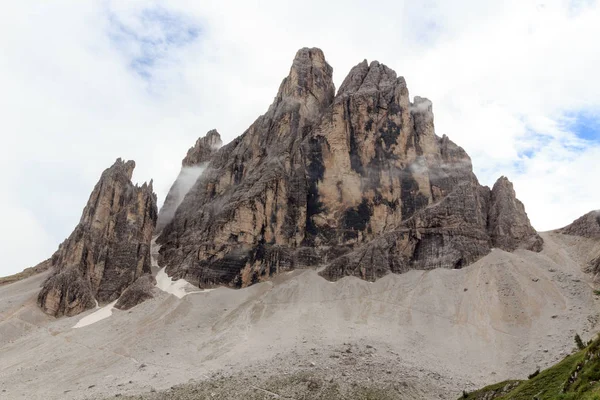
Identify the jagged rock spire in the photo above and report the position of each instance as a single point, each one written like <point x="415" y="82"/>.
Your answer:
<point x="309" y="80"/>
<point x="108" y="250"/>
<point x="508" y="223"/>
<point x="203" y="149"/>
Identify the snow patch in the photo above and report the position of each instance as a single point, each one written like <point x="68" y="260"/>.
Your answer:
<point x="176" y="288"/>
<point x="99" y="315"/>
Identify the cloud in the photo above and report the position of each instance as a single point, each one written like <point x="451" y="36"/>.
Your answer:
<point x="182" y="185"/>
<point x="86" y="82"/>
<point x="149" y="36"/>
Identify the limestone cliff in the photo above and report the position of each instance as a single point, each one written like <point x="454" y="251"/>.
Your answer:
<point x="192" y="167"/>
<point x="108" y="250"/>
<point x="358" y="183"/>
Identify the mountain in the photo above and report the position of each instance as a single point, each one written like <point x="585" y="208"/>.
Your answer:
<point x="338" y="249"/>
<point x="108" y="250"/>
<point x="355" y="182"/>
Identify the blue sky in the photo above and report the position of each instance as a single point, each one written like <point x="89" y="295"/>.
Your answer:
<point x="513" y="82"/>
<point x="585" y="124"/>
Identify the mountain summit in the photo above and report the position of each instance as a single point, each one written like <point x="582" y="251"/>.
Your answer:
<point x="357" y="183"/>
<point x="108" y="250"/>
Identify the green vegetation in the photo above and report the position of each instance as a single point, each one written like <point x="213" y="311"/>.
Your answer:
<point x="577" y="377"/>
<point x="579" y="342"/>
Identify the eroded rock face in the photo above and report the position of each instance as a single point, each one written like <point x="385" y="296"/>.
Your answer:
<point x="141" y="290"/>
<point x="508" y="223"/>
<point x="249" y="208"/>
<point x="192" y="166"/>
<point x="586" y="226"/>
<point x="108" y="250"/>
<point x="66" y="293"/>
<point x="204" y="148"/>
<point x="357" y="182"/>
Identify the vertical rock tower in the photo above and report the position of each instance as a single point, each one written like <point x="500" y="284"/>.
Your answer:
<point x="108" y="250"/>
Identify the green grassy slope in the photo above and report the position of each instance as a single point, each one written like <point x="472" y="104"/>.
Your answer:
<point x="577" y="377"/>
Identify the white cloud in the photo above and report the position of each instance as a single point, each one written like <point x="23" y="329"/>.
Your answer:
<point x="502" y="76"/>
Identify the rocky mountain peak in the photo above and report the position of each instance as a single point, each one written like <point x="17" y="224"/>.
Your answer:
<point x="508" y="223"/>
<point x="358" y="184"/>
<point x="309" y="82"/>
<point x="203" y="149"/>
<point x="369" y="78"/>
<point x="121" y="169"/>
<point x="108" y="250"/>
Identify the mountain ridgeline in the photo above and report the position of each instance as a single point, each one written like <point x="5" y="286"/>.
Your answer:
<point x="356" y="183"/>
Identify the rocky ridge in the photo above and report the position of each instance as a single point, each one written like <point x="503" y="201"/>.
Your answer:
<point x="355" y="182"/>
<point x="587" y="226"/>
<point x="108" y="250"/>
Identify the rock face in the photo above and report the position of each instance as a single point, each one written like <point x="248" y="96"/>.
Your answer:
<point x="192" y="167"/>
<point x="204" y="148"/>
<point x="141" y="290"/>
<point x="108" y="250"/>
<point x="508" y="223"/>
<point x="356" y="182"/>
<point x="586" y="226"/>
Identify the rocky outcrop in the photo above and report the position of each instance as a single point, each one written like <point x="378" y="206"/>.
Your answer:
<point x="358" y="183"/>
<point x="593" y="267"/>
<point x="192" y="167"/>
<point x="141" y="290"/>
<point x="586" y="226"/>
<point x="204" y="148"/>
<point x="508" y="223"/>
<point x="66" y="293"/>
<point x="108" y="250"/>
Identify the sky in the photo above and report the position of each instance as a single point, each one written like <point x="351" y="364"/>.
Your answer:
<point x="514" y="82"/>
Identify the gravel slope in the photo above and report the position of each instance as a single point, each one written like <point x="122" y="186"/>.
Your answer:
<point x="423" y="334"/>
